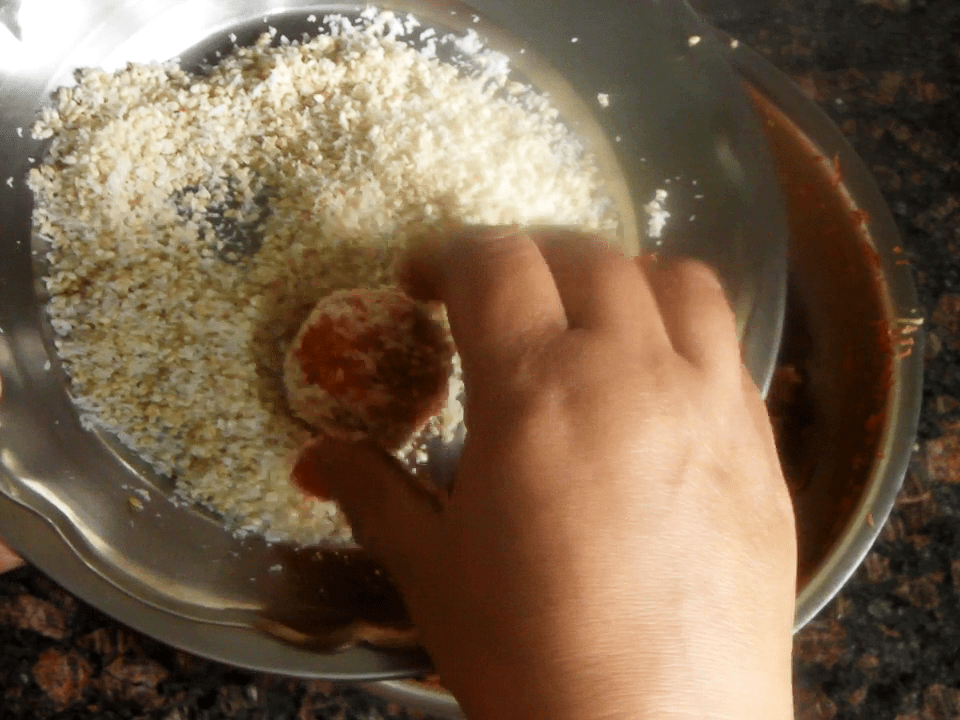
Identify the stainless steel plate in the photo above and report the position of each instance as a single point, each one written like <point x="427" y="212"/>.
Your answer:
<point x="174" y="572"/>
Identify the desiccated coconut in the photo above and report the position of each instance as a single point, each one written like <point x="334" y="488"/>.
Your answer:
<point x="191" y="222"/>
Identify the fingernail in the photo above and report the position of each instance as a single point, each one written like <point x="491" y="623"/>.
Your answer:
<point x="647" y="260"/>
<point x="421" y="270"/>
<point x="484" y="233"/>
<point x="706" y="274"/>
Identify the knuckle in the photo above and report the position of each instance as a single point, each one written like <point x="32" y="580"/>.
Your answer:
<point x="499" y="250"/>
<point x="609" y="266"/>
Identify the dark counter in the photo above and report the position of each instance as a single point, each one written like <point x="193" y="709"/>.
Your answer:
<point x="888" y="72"/>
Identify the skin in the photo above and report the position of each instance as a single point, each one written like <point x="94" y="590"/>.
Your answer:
<point x="619" y="541"/>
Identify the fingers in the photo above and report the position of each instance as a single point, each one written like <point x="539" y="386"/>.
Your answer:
<point x="503" y="288"/>
<point x="9" y="560"/>
<point x="697" y="315"/>
<point x="600" y="288"/>
<point x="497" y="287"/>
<point x="393" y="515"/>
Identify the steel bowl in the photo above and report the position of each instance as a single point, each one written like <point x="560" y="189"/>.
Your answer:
<point x="174" y="572"/>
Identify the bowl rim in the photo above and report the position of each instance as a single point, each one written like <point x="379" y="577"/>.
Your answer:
<point x="904" y="399"/>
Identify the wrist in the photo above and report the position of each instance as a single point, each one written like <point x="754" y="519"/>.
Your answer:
<point x="642" y="682"/>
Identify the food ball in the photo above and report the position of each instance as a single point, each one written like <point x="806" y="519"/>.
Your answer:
<point x="369" y="364"/>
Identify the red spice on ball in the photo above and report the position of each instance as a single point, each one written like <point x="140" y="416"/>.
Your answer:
<point x="369" y="363"/>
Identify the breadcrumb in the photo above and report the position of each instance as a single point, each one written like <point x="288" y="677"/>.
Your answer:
<point x="191" y="222"/>
<point x="657" y="214"/>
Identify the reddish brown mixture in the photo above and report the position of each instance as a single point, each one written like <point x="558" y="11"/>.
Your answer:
<point x="370" y="361"/>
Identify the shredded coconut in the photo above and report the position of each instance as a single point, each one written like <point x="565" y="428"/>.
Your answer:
<point x="191" y="222"/>
<point x="658" y="216"/>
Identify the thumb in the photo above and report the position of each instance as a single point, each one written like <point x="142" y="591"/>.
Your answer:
<point x="394" y="514"/>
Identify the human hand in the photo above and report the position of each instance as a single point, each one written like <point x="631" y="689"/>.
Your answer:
<point x="9" y="560"/>
<point x="619" y="541"/>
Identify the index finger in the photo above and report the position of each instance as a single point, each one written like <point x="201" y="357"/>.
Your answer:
<point x="500" y="295"/>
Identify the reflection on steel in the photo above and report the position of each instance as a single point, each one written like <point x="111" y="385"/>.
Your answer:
<point x="9" y="9"/>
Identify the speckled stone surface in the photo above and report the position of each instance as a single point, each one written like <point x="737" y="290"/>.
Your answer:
<point x="61" y="659"/>
<point x="888" y="72"/>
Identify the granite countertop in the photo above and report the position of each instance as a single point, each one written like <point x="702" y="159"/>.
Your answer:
<point x="888" y="72"/>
